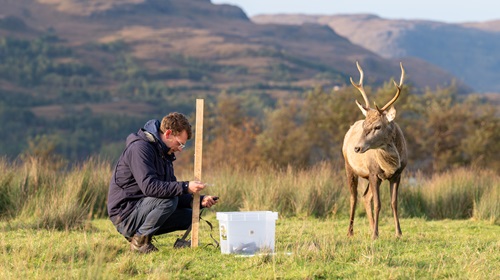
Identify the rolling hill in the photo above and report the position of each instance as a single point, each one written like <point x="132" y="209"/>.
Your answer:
<point x="74" y="71"/>
<point x="219" y="41"/>
<point x="469" y="50"/>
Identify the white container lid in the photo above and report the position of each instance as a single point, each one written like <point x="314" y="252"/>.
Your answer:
<point x="247" y="216"/>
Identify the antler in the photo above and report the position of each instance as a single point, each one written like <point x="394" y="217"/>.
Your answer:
<point x="360" y="86"/>
<point x="398" y="89"/>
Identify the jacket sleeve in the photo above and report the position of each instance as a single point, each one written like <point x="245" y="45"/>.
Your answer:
<point x="185" y="201"/>
<point x="142" y="159"/>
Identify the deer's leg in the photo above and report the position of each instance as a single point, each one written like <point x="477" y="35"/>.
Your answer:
<point x="367" y="199"/>
<point x="394" y="203"/>
<point x="375" y="188"/>
<point x="352" y="182"/>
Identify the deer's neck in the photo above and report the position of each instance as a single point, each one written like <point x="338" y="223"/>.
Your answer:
<point x="388" y="160"/>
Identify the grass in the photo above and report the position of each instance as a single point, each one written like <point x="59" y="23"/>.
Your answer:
<point x="53" y="225"/>
<point x="306" y="248"/>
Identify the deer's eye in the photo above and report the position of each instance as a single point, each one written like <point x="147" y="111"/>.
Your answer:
<point x="378" y="127"/>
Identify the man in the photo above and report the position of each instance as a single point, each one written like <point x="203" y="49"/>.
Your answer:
<point x="145" y="198"/>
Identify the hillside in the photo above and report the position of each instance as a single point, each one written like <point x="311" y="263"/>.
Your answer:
<point x="75" y="71"/>
<point x="469" y="51"/>
<point x="219" y="35"/>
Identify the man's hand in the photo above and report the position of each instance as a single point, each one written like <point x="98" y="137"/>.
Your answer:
<point x="209" y="201"/>
<point x="195" y="186"/>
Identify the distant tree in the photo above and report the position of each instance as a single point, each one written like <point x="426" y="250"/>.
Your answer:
<point x="481" y="144"/>
<point x="448" y="130"/>
<point x="328" y="116"/>
<point x="231" y="134"/>
<point x="284" y="141"/>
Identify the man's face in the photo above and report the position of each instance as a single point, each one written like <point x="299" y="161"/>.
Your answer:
<point x="176" y="143"/>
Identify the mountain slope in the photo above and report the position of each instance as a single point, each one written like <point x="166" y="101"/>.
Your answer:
<point x="234" y="51"/>
<point x="469" y="51"/>
<point x="80" y="75"/>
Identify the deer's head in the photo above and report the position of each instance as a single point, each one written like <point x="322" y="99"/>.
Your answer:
<point x="377" y="126"/>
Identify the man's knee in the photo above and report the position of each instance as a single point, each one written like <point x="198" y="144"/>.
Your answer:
<point x="167" y="206"/>
<point x="169" y="203"/>
<point x="161" y="208"/>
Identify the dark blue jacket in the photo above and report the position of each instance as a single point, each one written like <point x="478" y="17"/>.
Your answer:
<point x="144" y="169"/>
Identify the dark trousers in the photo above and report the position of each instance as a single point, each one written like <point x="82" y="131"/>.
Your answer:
<point x="155" y="216"/>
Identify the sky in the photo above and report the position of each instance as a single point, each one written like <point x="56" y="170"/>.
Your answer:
<point x="449" y="11"/>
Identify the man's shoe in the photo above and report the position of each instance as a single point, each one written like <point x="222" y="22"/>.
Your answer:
<point x="142" y="244"/>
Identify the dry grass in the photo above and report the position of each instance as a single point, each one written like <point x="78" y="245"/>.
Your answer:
<point x="51" y="226"/>
<point x="49" y="197"/>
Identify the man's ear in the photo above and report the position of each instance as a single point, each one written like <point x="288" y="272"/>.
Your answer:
<point x="168" y="132"/>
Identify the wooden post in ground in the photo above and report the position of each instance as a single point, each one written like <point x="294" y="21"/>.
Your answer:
<point x="198" y="151"/>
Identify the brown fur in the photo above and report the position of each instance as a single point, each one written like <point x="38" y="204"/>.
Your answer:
<point x="375" y="149"/>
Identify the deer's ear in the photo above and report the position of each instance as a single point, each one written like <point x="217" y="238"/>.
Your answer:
<point x="361" y="107"/>
<point x="390" y="114"/>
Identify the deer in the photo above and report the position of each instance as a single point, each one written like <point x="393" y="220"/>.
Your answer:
<point x="375" y="149"/>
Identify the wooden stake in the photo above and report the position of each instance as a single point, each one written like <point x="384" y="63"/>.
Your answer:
<point x="198" y="151"/>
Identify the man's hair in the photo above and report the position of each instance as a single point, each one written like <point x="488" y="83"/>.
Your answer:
<point x="176" y="122"/>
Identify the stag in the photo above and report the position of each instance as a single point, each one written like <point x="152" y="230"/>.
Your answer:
<point x="375" y="149"/>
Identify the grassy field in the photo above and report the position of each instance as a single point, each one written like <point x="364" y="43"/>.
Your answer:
<point x="53" y="226"/>
<point x="306" y="248"/>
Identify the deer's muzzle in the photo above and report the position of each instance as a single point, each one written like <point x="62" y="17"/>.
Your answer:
<point x="361" y="147"/>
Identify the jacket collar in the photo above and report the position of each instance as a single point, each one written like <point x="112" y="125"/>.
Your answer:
<point x="152" y="134"/>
